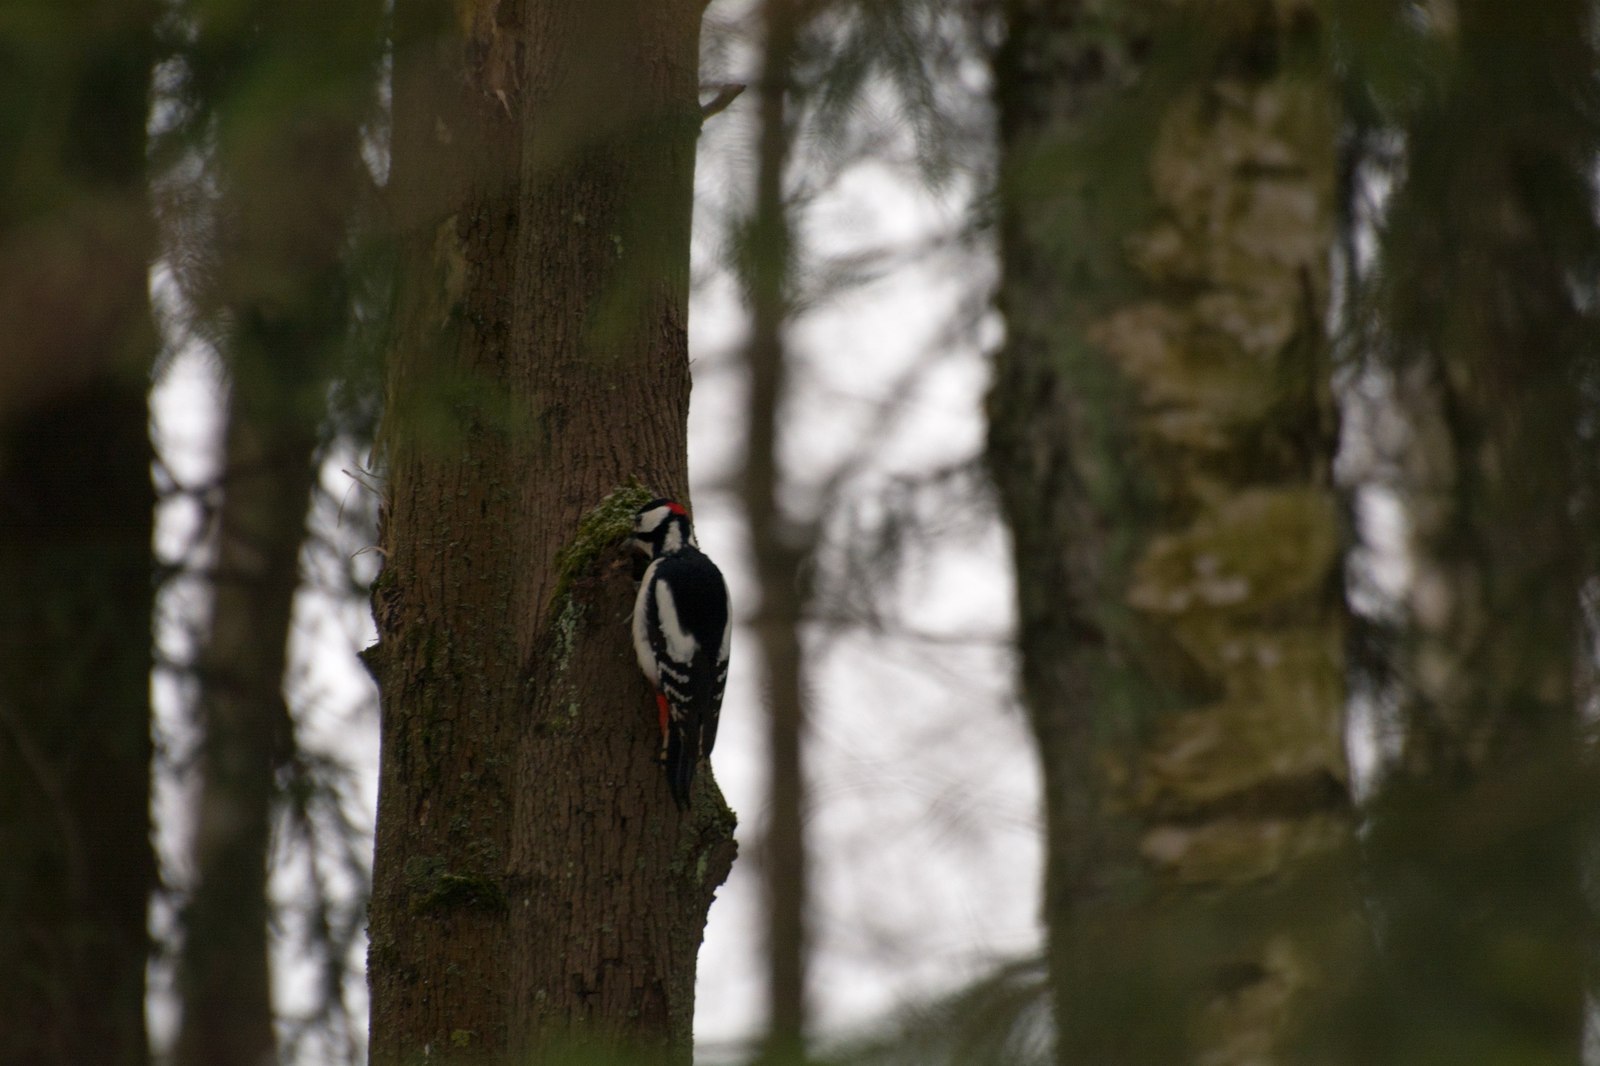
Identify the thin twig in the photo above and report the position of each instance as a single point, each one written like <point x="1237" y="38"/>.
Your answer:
<point x="727" y="93"/>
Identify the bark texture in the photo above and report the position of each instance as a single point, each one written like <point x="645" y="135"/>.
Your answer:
<point x="1162" y="436"/>
<point x="534" y="883"/>
<point x="76" y="342"/>
<point x="1478" y="837"/>
<point x="779" y="557"/>
<point x="289" y="175"/>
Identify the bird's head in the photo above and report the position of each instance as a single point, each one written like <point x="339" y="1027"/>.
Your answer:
<point x="662" y="527"/>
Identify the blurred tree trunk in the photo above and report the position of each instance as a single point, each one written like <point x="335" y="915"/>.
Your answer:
<point x="1162" y="435"/>
<point x="1477" y="841"/>
<point x="224" y="973"/>
<point x="75" y="584"/>
<point x="777" y="551"/>
<point x="534" y="883"/>
<point x="290" y="174"/>
<point x="76" y="343"/>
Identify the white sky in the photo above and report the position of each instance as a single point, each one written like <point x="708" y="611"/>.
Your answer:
<point x="923" y="825"/>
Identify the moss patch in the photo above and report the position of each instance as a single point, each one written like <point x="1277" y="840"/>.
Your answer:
<point x="434" y="888"/>
<point x="610" y="521"/>
<point x="711" y="819"/>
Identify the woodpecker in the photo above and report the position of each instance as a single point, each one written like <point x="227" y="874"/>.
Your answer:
<point x="682" y="628"/>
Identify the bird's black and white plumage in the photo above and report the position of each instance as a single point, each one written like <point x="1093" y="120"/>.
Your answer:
<point x="682" y="627"/>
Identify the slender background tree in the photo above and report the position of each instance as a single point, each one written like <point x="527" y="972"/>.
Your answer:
<point x="779" y="549"/>
<point x="270" y="289"/>
<point x="812" y="69"/>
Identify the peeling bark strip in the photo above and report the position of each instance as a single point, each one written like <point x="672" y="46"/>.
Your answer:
<point x="534" y="885"/>
<point x="1162" y="437"/>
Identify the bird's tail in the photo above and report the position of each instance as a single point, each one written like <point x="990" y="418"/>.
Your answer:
<point x="682" y="756"/>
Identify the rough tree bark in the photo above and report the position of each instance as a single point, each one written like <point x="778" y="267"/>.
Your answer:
<point x="1480" y="834"/>
<point x="534" y="883"/>
<point x="1162" y="436"/>
<point x="777" y="554"/>
<point x="290" y="174"/>
<point x="76" y="343"/>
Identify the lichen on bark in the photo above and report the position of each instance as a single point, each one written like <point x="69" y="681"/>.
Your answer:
<point x="1162" y="436"/>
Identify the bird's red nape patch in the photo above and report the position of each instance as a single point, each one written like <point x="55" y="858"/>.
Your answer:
<point x="676" y="507"/>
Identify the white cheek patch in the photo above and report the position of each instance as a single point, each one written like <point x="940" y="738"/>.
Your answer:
<point x="673" y="540"/>
<point x="646" y="523"/>
<point x="681" y="644"/>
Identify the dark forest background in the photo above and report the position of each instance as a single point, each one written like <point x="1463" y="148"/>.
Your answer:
<point x="1152" y="447"/>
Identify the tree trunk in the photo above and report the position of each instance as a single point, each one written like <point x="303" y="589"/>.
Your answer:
<point x="290" y="174"/>
<point x="76" y="343"/>
<point x="224" y="971"/>
<point x="1478" y="834"/>
<point x="1162" y="436"/>
<point x="224" y="982"/>
<point x="75" y="227"/>
<point x="778" y="554"/>
<point x="534" y="884"/>
<point x="75" y="584"/>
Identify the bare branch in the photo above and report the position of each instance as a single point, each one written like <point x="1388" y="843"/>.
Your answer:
<point x="727" y="93"/>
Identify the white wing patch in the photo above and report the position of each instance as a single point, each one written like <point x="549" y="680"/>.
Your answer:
<point x="641" y="627"/>
<point x="727" y="633"/>
<point x="681" y="644"/>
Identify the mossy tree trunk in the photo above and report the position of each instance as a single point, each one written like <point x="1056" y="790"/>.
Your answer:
<point x="290" y="175"/>
<point x="1479" y="836"/>
<point x="534" y="883"/>
<point x="1162" y="435"/>
<point x="76" y="345"/>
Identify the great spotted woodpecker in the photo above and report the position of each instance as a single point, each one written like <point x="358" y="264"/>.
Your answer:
<point x="682" y="626"/>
